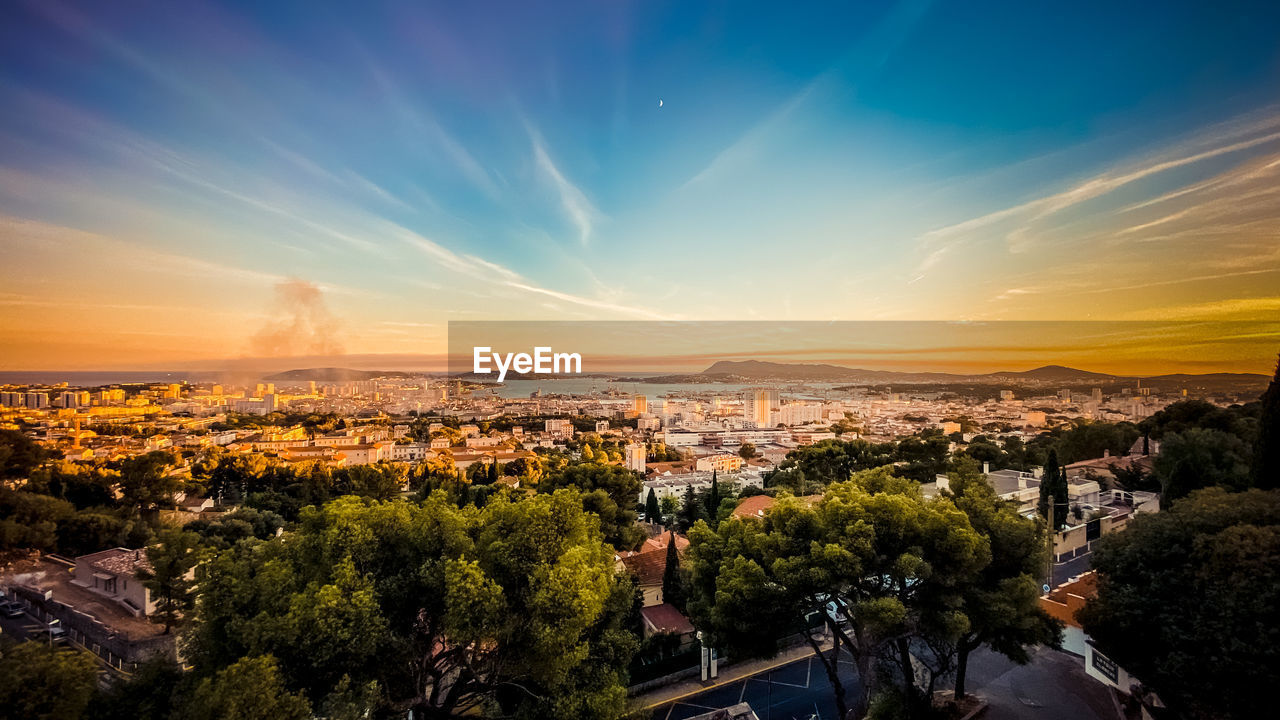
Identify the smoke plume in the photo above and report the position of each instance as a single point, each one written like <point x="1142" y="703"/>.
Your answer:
<point x="301" y="324"/>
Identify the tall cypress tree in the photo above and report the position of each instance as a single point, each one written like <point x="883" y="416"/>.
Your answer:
<point x="1266" y="448"/>
<point x="694" y="507"/>
<point x="1049" y="486"/>
<point x="1060" y="505"/>
<point x="651" y="511"/>
<point x="672" y="587"/>
<point x="713" y="498"/>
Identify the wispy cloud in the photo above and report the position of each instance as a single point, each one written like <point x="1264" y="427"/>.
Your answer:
<point x="420" y="123"/>
<point x="577" y="208"/>
<point x="1215" y="142"/>
<point x="478" y="268"/>
<point x="14" y="230"/>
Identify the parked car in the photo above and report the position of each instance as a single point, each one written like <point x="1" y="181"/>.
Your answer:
<point x="54" y="633"/>
<point x="11" y="610"/>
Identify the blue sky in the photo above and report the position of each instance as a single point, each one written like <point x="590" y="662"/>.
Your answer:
<point x="190" y="166"/>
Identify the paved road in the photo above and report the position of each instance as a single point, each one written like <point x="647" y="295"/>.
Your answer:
<point x="1075" y="566"/>
<point x="1052" y="687"/>
<point x="799" y="690"/>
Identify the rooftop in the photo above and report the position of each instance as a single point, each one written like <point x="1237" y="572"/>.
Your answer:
<point x="117" y="561"/>
<point x="665" y="618"/>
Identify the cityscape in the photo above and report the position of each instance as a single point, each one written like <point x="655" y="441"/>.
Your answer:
<point x="704" y="361"/>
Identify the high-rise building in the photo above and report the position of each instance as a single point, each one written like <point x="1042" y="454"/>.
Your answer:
<point x="759" y="407"/>
<point x="641" y="404"/>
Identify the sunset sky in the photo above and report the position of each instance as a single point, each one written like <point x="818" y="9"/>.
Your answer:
<point x="190" y="183"/>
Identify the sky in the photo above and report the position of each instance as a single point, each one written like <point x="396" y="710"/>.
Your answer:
<point x="191" y="183"/>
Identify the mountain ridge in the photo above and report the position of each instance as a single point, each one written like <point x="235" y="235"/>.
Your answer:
<point x="762" y="369"/>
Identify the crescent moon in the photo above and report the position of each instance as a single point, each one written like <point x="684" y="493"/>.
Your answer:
<point x="659" y="103"/>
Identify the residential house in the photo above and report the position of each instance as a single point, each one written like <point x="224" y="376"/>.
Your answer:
<point x="113" y="575"/>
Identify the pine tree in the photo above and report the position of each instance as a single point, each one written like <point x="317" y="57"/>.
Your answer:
<point x="651" y="512"/>
<point x="672" y="587"/>
<point x="713" y="498"/>
<point x="1266" y="448"/>
<point x="691" y="510"/>
<point x="493" y="470"/>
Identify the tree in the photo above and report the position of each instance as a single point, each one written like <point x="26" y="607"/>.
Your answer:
<point x="154" y="691"/>
<point x="42" y="683"/>
<point x="1001" y="602"/>
<point x="829" y="461"/>
<point x="1197" y="458"/>
<point x="250" y="689"/>
<point x="670" y="505"/>
<point x="19" y="455"/>
<point x="872" y="550"/>
<point x="651" y="512"/>
<point x="747" y="451"/>
<point x="691" y="510"/>
<point x="1266" y="448"/>
<point x="713" y="499"/>
<point x="618" y="489"/>
<point x="513" y="609"/>
<point x="1186" y="602"/>
<point x="1053" y="492"/>
<point x="672" y="583"/>
<point x="168" y="574"/>
<point x="145" y="480"/>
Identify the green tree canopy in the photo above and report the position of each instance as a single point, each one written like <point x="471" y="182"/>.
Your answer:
<point x="42" y="683"/>
<point x="619" y="494"/>
<point x="250" y="689"/>
<point x="512" y="609"/>
<point x="1187" y="602"/>
<point x="19" y="455"/>
<point x="169" y="577"/>
<point x="1001" y="602"/>
<point x="1266" y="448"/>
<point x="1197" y="458"/>
<point x="873" y="550"/>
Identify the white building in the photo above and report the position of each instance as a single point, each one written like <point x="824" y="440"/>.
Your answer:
<point x="635" y="457"/>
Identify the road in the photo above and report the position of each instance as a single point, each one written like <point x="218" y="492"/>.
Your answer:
<point x="1052" y="687"/>
<point x="799" y="690"/>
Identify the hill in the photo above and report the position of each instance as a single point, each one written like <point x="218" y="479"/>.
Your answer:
<point x="333" y="375"/>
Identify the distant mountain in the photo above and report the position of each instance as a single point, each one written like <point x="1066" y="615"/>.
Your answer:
<point x="333" y="375"/>
<point x="752" y="370"/>
<point x="1056" y="373"/>
<point x="794" y="371"/>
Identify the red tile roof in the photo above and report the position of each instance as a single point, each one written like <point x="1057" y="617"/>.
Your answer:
<point x="666" y="618"/>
